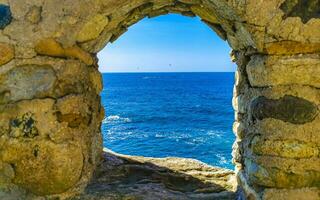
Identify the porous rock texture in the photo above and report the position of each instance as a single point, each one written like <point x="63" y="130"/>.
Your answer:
<point x="132" y="177"/>
<point x="50" y="110"/>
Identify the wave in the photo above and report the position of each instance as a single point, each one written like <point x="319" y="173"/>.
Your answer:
<point x="215" y="133"/>
<point x="149" y="77"/>
<point x="115" y="118"/>
<point x="222" y="160"/>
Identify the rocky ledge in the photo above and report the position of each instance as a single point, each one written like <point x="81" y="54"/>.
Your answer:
<point x="133" y="178"/>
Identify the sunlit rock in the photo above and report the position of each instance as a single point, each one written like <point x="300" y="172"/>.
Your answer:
<point x="6" y="53"/>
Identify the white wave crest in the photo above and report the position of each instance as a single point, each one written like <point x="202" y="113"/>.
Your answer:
<point x="222" y="159"/>
<point x="113" y="118"/>
<point x="149" y="77"/>
<point x="214" y="133"/>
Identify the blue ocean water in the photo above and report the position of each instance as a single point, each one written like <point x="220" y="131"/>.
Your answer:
<point x="170" y="114"/>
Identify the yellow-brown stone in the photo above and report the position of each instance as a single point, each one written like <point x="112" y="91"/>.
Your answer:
<point x="274" y="70"/>
<point x="291" y="47"/>
<point x="288" y="149"/>
<point x="205" y="14"/>
<point x="34" y="15"/>
<point x="56" y="167"/>
<point x="6" y="53"/>
<point x="92" y="28"/>
<point x="50" y="47"/>
<point x="281" y="194"/>
<point x="77" y="52"/>
<point x="277" y="178"/>
<point x="53" y="48"/>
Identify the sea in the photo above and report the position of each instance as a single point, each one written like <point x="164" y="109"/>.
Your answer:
<point x="186" y="115"/>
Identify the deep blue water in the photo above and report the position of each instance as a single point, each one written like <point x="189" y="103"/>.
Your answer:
<point x="170" y="114"/>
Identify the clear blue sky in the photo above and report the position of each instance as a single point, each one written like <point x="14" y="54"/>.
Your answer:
<point x="170" y="43"/>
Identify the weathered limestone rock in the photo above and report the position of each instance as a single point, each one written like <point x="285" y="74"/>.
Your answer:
<point x="53" y="48"/>
<point x="50" y="110"/>
<point x="6" y="53"/>
<point x="151" y="178"/>
<point x="23" y="126"/>
<point x="286" y="149"/>
<point x="291" y="48"/>
<point x="6" y="174"/>
<point x="27" y="82"/>
<point x="34" y="15"/>
<point x="289" y="109"/>
<point x="92" y="28"/>
<point x="55" y="167"/>
<point x="266" y="71"/>
<point x="277" y="178"/>
<point x="304" y="193"/>
<point x="306" y="10"/>
<point x="205" y="14"/>
<point x="36" y="160"/>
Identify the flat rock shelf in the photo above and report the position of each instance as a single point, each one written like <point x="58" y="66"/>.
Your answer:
<point x="133" y="177"/>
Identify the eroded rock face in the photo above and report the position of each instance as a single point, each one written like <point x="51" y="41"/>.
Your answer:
<point x="6" y="53"/>
<point x="50" y="110"/>
<point x="93" y="28"/>
<point x="289" y="109"/>
<point x="305" y="9"/>
<point x="34" y="15"/>
<point x="51" y="47"/>
<point x="166" y="178"/>
<point x="27" y="82"/>
<point x="55" y="167"/>
<point x="23" y="126"/>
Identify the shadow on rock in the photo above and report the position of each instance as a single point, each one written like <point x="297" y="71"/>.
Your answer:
<point x="133" y="177"/>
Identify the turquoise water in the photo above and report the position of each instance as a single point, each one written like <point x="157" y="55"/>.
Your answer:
<point x="170" y="114"/>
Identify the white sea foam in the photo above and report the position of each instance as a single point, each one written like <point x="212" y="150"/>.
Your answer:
<point x="113" y="118"/>
<point x="158" y="135"/>
<point x="222" y="159"/>
<point x="214" y="133"/>
<point x="149" y="77"/>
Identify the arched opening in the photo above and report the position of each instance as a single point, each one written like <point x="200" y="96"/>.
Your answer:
<point x="50" y="136"/>
<point x="176" y="113"/>
<point x="190" y="179"/>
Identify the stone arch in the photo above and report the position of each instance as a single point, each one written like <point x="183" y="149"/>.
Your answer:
<point x="111" y="25"/>
<point x="50" y="115"/>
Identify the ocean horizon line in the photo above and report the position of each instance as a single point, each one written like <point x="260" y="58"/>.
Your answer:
<point x="166" y="72"/>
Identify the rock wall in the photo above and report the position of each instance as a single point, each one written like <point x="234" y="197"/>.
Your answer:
<point x="50" y="140"/>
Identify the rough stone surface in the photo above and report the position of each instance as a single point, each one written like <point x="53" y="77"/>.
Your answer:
<point x="130" y="177"/>
<point x="289" y="109"/>
<point x="304" y="193"/>
<point x="291" y="48"/>
<point x="6" y="53"/>
<point x="34" y="15"/>
<point x="50" y="109"/>
<point x="305" y="9"/>
<point x="92" y="28"/>
<point x="27" y="82"/>
<point x="43" y="158"/>
<point x="285" y="149"/>
<point x="53" y="48"/>
<point x="264" y="71"/>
